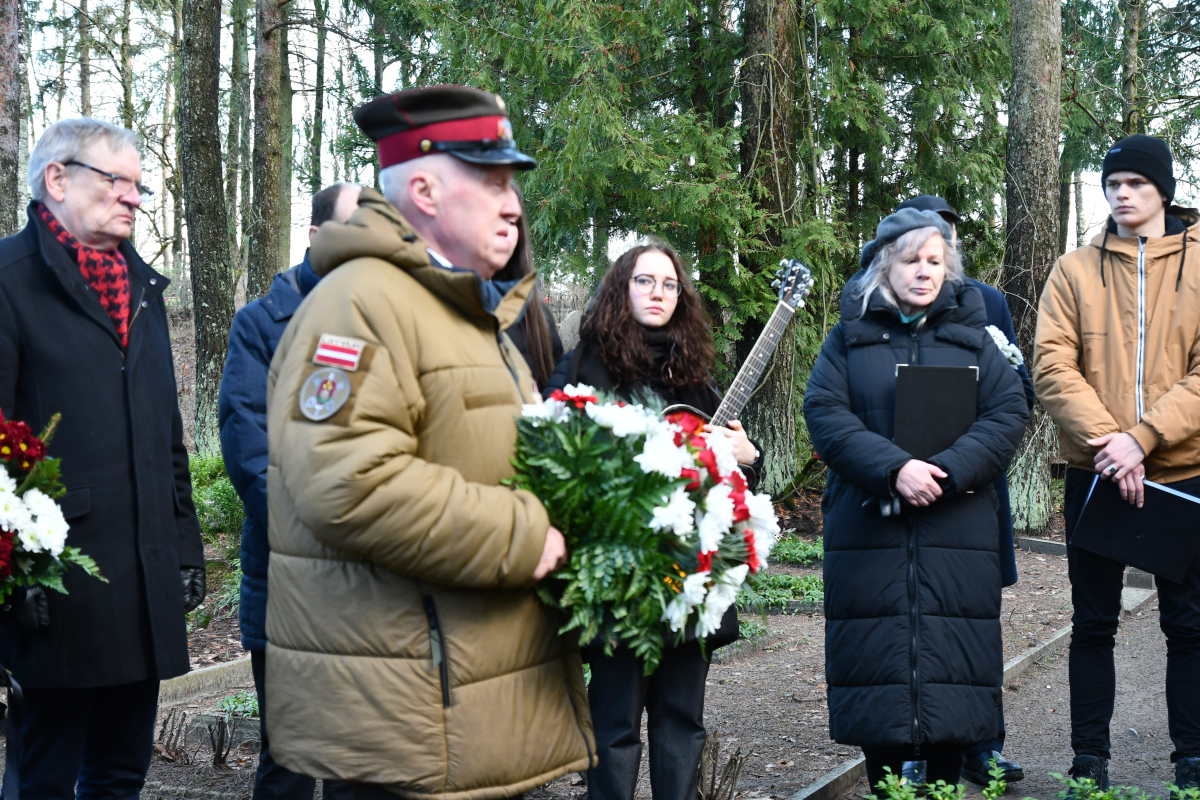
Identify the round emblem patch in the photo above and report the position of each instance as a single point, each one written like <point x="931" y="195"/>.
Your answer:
<point x="324" y="393"/>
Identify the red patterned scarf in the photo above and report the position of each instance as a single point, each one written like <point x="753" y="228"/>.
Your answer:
<point x="106" y="272"/>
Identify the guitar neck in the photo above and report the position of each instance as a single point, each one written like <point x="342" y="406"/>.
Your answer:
<point x="756" y="363"/>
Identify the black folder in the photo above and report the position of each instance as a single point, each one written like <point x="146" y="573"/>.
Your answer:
<point x="1157" y="538"/>
<point x="934" y="407"/>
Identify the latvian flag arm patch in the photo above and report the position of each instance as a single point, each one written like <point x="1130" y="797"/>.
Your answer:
<point x="338" y="351"/>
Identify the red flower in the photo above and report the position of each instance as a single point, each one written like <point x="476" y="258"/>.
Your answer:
<point x="738" y="481"/>
<point x="751" y="554"/>
<point x="709" y="459"/>
<point x="692" y="426"/>
<point x="705" y="563"/>
<point x="17" y="443"/>
<point x="694" y="475"/>
<point x="741" y="512"/>
<point x="6" y="546"/>
<point x="580" y="400"/>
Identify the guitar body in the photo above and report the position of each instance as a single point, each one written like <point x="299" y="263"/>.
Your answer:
<point x="684" y="407"/>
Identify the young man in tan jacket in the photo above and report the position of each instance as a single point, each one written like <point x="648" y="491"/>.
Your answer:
<point x="1117" y="366"/>
<point x="407" y="652"/>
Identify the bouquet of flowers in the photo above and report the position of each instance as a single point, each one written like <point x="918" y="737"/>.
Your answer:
<point x="661" y="529"/>
<point x="1011" y="352"/>
<point x="33" y="532"/>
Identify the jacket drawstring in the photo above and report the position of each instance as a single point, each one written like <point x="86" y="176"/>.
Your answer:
<point x="1182" y="259"/>
<point x="1102" y="242"/>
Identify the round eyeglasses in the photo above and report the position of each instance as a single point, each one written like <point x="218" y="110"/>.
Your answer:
<point x="120" y="184"/>
<point x="644" y="284"/>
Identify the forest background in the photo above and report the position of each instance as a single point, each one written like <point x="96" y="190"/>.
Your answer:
<point x="743" y="131"/>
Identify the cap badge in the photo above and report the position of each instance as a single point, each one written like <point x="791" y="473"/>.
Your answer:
<point x="425" y="145"/>
<point x="338" y="351"/>
<point x="324" y="393"/>
<point x="504" y="130"/>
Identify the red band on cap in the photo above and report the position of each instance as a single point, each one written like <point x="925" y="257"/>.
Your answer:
<point x="406" y="145"/>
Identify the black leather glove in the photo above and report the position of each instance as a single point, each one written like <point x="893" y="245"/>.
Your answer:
<point x="34" y="614"/>
<point x="193" y="588"/>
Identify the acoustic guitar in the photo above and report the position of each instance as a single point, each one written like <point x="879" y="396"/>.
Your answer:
<point x="794" y="282"/>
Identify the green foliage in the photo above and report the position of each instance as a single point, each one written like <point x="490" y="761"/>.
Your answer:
<point x="228" y="595"/>
<point x="242" y="704"/>
<point x="751" y="630"/>
<point x="798" y="552"/>
<point x="894" y="787"/>
<point x="217" y="504"/>
<point x="197" y="618"/>
<point x="779" y="590"/>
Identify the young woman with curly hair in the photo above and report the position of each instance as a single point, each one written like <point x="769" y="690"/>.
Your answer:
<point x="646" y="329"/>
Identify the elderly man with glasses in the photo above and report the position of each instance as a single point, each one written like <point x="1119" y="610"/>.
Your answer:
<point x="83" y="332"/>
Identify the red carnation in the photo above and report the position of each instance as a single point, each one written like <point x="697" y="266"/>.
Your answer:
<point x="705" y="563"/>
<point x="6" y="546"/>
<point x="693" y="475"/>
<point x="737" y="480"/>
<point x="580" y="400"/>
<point x="691" y="425"/>
<point x="709" y="459"/>
<point x="741" y="512"/>
<point x="751" y="554"/>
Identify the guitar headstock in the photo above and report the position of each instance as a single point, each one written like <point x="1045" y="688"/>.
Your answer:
<point x="794" y="282"/>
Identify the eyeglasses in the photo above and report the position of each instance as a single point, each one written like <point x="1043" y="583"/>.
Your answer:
<point x="644" y="284"/>
<point x="120" y="184"/>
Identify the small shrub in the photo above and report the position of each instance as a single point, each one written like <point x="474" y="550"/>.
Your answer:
<point x="798" y="552"/>
<point x="242" y="704"/>
<point x="751" y="630"/>
<point x="229" y="592"/>
<point x="217" y="505"/>
<point x="779" y="590"/>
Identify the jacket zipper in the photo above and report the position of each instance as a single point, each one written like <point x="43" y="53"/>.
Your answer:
<point x="437" y="646"/>
<point x="133" y="319"/>
<point x="915" y="619"/>
<point x="1141" y="341"/>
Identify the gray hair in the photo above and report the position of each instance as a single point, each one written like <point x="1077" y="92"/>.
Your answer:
<point x="898" y="251"/>
<point x="67" y="139"/>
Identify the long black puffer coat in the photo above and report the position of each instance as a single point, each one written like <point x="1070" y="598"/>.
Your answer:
<point x="912" y="602"/>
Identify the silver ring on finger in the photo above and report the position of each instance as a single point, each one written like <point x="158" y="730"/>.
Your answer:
<point x="1112" y="469"/>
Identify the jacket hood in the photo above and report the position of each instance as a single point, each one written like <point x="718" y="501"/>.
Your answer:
<point x="378" y="230"/>
<point x="956" y="302"/>
<point x="1181" y="224"/>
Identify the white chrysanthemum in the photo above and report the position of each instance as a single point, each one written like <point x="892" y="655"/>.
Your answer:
<point x="722" y="447"/>
<point x="548" y="410"/>
<point x="46" y="530"/>
<point x="695" y="586"/>
<point x="717" y="519"/>
<point x="575" y="389"/>
<point x="676" y="613"/>
<point x="1010" y="351"/>
<point x="736" y="576"/>
<point x="13" y="514"/>
<point x="627" y="420"/>
<point x="7" y="484"/>
<point x="762" y="513"/>
<point x="677" y="515"/>
<point x="660" y="454"/>
<point x="720" y="598"/>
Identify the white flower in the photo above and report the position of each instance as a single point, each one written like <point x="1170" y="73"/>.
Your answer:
<point x="720" y="598"/>
<point x="717" y="519"/>
<point x="13" y="514"/>
<point x="660" y="454"/>
<point x="576" y="389"/>
<point x="677" y="515"/>
<point x="694" y="588"/>
<point x="627" y="420"/>
<point x="7" y="484"/>
<point x="722" y="447"/>
<point x="47" y="530"/>
<point x="736" y="576"/>
<point x="1010" y="351"/>
<point x="677" y="613"/>
<point x="548" y="410"/>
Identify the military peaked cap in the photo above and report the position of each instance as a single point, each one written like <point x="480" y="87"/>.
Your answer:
<point x="469" y="124"/>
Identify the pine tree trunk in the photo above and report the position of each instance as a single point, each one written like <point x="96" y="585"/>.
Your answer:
<point x="318" y="121"/>
<point x="11" y="78"/>
<point x="85" y="59"/>
<point x="768" y="157"/>
<point x="126" y="54"/>
<point x="264" y="214"/>
<point x="1031" y="202"/>
<point x="1080" y="223"/>
<point x="25" y="133"/>
<point x="238" y="94"/>
<point x="1131" y="114"/>
<point x="199" y="130"/>
<point x="1065" y="171"/>
<point x="287" y="149"/>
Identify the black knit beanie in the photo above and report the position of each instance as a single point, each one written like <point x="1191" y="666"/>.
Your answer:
<point x="1148" y="156"/>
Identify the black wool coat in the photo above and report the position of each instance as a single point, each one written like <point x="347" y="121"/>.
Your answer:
<point x="912" y="602"/>
<point x="129" y="496"/>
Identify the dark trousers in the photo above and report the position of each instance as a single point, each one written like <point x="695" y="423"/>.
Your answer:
<point x="673" y="698"/>
<point x="1096" y="584"/>
<point x="273" y="782"/>
<point x="996" y="744"/>
<point x="94" y="744"/>
<point x="943" y="762"/>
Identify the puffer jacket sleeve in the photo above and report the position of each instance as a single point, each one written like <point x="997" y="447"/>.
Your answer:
<point x="983" y="452"/>
<point x="361" y="488"/>
<point x="1058" y="381"/>
<point x="840" y="438"/>
<point x="1174" y="417"/>
<point x="243" y="411"/>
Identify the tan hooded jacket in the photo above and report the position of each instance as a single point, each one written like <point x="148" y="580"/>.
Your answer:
<point x="403" y="647"/>
<point x="1118" y="347"/>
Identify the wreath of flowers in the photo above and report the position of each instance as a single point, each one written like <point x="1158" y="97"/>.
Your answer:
<point x="33" y="531"/>
<point x="662" y="532"/>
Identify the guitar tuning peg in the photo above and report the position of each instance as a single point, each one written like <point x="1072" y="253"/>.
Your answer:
<point x="778" y="273"/>
<point x="783" y="262"/>
<point x="776" y="284"/>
